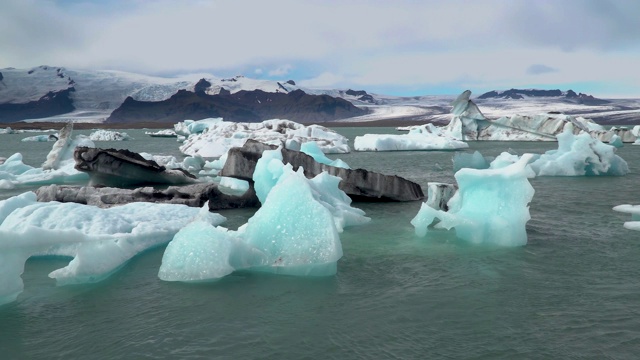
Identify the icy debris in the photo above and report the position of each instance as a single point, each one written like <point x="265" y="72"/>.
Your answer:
<point x="220" y="136"/>
<point x="99" y="240"/>
<point x="490" y="207"/>
<point x="424" y="137"/>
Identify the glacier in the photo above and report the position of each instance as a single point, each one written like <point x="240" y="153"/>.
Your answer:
<point x="100" y="241"/>
<point x="491" y="206"/>
<point x="220" y="136"/>
<point x="424" y="137"/>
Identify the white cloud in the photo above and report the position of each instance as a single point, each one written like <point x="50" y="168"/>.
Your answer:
<point x="356" y="43"/>
<point x="281" y="70"/>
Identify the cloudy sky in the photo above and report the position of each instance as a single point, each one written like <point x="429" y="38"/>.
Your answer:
<point x="402" y="47"/>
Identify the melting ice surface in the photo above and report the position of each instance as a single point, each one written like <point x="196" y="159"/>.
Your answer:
<point x="99" y="240"/>
<point x="490" y="207"/>
<point x="108" y="135"/>
<point x="295" y="232"/>
<point x="424" y="137"/>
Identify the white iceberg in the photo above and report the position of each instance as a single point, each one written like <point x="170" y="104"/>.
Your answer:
<point x="109" y="135"/>
<point x="99" y="240"/>
<point x="220" y="136"/>
<point x="490" y="207"/>
<point x="424" y="137"/>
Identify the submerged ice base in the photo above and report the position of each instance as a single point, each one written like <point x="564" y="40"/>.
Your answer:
<point x="490" y="207"/>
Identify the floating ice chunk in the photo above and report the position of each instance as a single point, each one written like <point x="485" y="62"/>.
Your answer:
<point x="490" y="207"/>
<point x="233" y="186"/>
<point x="162" y="133"/>
<point x="295" y="231"/>
<point x="616" y="141"/>
<point x="270" y="169"/>
<point x="203" y="251"/>
<point x="312" y="149"/>
<point x="108" y="135"/>
<point x="14" y="165"/>
<point x="99" y="240"/>
<point x="505" y="159"/>
<point x="223" y="135"/>
<point x="425" y="137"/>
<point x="580" y="155"/>
<point x="40" y="138"/>
<point x="189" y="127"/>
<point x="466" y="160"/>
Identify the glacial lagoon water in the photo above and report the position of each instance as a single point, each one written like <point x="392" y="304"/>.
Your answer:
<point x="572" y="292"/>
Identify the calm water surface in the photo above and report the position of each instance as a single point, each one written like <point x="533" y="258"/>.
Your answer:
<point x="572" y="292"/>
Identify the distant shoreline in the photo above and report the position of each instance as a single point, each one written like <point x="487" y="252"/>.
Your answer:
<point x="160" y="125"/>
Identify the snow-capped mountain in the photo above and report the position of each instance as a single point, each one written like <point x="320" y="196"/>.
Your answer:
<point x="47" y="93"/>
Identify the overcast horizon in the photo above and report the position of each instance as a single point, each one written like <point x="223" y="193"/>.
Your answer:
<point x="396" y="48"/>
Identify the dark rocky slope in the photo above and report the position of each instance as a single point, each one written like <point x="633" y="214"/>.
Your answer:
<point x="243" y="106"/>
<point x="52" y="104"/>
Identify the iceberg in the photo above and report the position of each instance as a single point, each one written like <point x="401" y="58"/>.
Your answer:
<point x="616" y="141"/>
<point x="490" y="207"/>
<point x="108" y="135"/>
<point x="220" y="136"/>
<point x="295" y="232"/>
<point x="99" y="240"/>
<point x="424" y="137"/>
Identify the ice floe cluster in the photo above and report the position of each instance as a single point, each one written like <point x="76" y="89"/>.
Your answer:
<point x="216" y="137"/>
